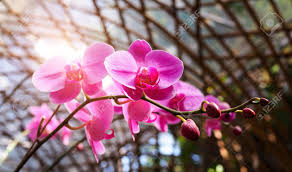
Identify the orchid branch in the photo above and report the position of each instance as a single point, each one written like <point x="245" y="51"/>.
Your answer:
<point x="40" y="127"/>
<point x="32" y="150"/>
<point x="41" y="142"/>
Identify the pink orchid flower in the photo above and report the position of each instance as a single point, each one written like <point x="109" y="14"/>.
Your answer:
<point x="64" y="80"/>
<point x="33" y="125"/>
<point x="215" y="124"/>
<point x="187" y="98"/>
<point x="143" y="70"/>
<point x="133" y="111"/>
<point x="97" y="118"/>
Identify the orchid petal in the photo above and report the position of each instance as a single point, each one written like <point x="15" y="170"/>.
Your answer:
<point x="102" y="111"/>
<point x="160" y="94"/>
<point x="110" y="136"/>
<point x="211" y="98"/>
<point x="50" y="76"/>
<point x="170" y="67"/>
<point x="97" y="147"/>
<point x="137" y="110"/>
<point x="93" y="62"/>
<point x="152" y="118"/>
<point x="139" y="49"/>
<point x="71" y="90"/>
<point x="161" y="124"/>
<point x="91" y="89"/>
<point x="134" y="128"/>
<point x="133" y="94"/>
<point x="122" y="67"/>
<point x="46" y="111"/>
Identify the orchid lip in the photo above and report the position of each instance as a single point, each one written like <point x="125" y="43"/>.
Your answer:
<point x="174" y="102"/>
<point x="147" y="77"/>
<point x="74" y="72"/>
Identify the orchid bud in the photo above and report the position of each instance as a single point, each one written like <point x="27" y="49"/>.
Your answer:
<point x="190" y="130"/>
<point x="264" y="101"/>
<point x="213" y="110"/>
<point x="248" y="113"/>
<point x="237" y="130"/>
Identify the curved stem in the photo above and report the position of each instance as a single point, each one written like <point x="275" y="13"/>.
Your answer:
<point x="75" y="128"/>
<point x="40" y="126"/>
<point x="51" y="117"/>
<point x="40" y="131"/>
<point x="202" y="105"/>
<point x="181" y="118"/>
<point x="40" y="143"/>
<point x="254" y="100"/>
<point x="172" y="111"/>
<point x="121" y="102"/>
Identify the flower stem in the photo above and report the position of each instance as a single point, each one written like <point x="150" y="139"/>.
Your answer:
<point x="34" y="147"/>
<point x="41" y="142"/>
<point x="254" y="100"/>
<point x="40" y="126"/>
<point x="181" y="118"/>
<point x="172" y="111"/>
<point x="75" y="128"/>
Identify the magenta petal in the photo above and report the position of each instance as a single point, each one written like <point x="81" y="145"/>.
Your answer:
<point x="212" y="124"/>
<point x="118" y="110"/>
<point x="160" y="94"/>
<point x="137" y="110"/>
<point x="96" y="129"/>
<point x="97" y="147"/>
<point x="122" y="67"/>
<point x="139" y="49"/>
<point x="161" y="124"/>
<point x="81" y="115"/>
<point x="134" y="128"/>
<point x="71" y="90"/>
<point x="211" y="98"/>
<point x="170" y="67"/>
<point x="102" y="110"/>
<point x="93" y="62"/>
<point x="133" y="94"/>
<point x="223" y="105"/>
<point x="50" y="76"/>
<point x="193" y="97"/>
<point x="171" y="119"/>
<point x="110" y="136"/>
<point x="152" y="117"/>
<point x="91" y="89"/>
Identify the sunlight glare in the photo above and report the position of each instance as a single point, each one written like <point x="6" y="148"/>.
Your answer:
<point x="48" y="48"/>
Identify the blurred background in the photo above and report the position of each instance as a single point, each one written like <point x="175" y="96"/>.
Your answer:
<point x="233" y="49"/>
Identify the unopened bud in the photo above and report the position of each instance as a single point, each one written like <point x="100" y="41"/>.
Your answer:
<point x="190" y="130"/>
<point x="237" y="130"/>
<point x="264" y="101"/>
<point x="213" y="110"/>
<point x="248" y="113"/>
